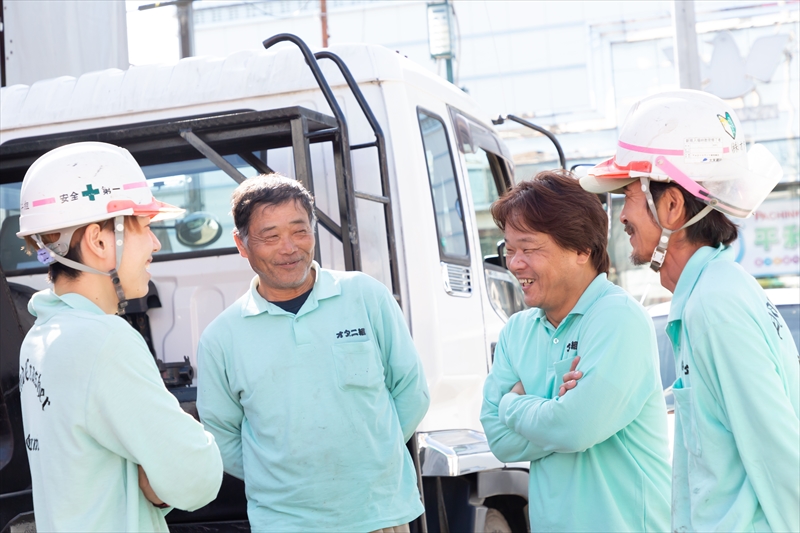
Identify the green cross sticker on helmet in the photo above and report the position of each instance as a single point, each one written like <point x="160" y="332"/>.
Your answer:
<point x="91" y="193"/>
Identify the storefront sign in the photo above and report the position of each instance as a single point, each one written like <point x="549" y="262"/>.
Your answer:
<point x="769" y="241"/>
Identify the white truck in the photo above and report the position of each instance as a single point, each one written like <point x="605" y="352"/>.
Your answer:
<point x="403" y="166"/>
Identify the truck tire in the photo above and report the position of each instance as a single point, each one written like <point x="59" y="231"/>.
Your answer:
<point x="496" y="522"/>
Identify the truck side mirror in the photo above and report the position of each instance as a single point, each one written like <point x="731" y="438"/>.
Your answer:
<point x="501" y="253"/>
<point x="198" y="229"/>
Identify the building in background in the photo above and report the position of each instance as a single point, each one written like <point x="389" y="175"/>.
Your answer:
<point x="576" y="68"/>
<point x="46" y="39"/>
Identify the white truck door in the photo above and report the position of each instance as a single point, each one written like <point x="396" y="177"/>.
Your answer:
<point x="456" y="309"/>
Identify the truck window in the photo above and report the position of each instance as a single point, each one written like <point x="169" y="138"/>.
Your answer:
<point x="486" y="183"/>
<point x="484" y="172"/>
<point x="13" y="255"/>
<point x="447" y="201"/>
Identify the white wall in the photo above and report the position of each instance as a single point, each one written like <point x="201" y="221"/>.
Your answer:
<point x="50" y="38"/>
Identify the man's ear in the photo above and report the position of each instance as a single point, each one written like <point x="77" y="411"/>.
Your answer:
<point x="240" y="244"/>
<point x="97" y="246"/>
<point x="583" y="257"/>
<point x="671" y="209"/>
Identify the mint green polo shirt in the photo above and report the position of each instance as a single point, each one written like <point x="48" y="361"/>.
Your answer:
<point x="736" y="463"/>
<point x="313" y="410"/>
<point x="599" y="457"/>
<point x="93" y="408"/>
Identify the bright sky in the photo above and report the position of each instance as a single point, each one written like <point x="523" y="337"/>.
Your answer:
<point x="152" y="34"/>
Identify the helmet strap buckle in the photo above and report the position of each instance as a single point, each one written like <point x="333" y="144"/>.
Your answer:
<point x="660" y="253"/>
<point x="44" y="257"/>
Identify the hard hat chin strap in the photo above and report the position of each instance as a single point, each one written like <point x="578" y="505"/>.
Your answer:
<point x="47" y="256"/>
<point x="660" y="253"/>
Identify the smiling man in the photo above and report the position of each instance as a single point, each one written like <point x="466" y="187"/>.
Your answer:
<point x="310" y="381"/>
<point x="598" y="454"/>
<point x="682" y="164"/>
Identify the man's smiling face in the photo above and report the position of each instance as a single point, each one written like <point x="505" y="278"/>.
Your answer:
<point x="280" y="249"/>
<point x="542" y="267"/>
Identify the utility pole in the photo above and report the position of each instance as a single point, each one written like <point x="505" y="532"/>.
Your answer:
<point x="687" y="58"/>
<point x="185" y="23"/>
<point x="323" y="15"/>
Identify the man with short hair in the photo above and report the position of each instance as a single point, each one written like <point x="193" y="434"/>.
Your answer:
<point x="107" y="443"/>
<point x="310" y="381"/>
<point x="598" y="455"/>
<point x="682" y="164"/>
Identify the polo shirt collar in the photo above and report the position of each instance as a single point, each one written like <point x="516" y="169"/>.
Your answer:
<point x="325" y="286"/>
<point x="691" y="273"/>
<point x="594" y="291"/>
<point x="81" y="303"/>
<point x="47" y="301"/>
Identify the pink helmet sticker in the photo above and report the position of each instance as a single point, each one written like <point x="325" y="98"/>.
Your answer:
<point x="43" y="201"/>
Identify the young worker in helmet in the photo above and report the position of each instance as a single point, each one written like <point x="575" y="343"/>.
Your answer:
<point x="599" y="459"/>
<point x="107" y="443"/>
<point x="682" y="164"/>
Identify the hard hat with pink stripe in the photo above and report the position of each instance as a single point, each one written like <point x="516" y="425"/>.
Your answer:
<point x="695" y="140"/>
<point x="80" y="184"/>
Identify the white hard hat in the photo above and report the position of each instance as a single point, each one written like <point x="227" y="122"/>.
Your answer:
<point x="695" y="140"/>
<point x="79" y="184"/>
<point x="82" y="183"/>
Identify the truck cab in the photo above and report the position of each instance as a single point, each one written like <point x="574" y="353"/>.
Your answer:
<point x="403" y="167"/>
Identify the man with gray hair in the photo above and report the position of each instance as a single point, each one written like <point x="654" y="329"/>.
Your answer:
<point x="310" y="382"/>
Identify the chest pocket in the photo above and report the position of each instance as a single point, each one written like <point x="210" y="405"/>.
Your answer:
<point x="685" y="409"/>
<point x="357" y="365"/>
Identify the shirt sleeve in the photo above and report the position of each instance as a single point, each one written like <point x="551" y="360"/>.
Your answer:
<point x="743" y="372"/>
<point x="130" y="412"/>
<point x="619" y="365"/>
<point x="506" y="444"/>
<point x="403" y="373"/>
<point x="219" y="407"/>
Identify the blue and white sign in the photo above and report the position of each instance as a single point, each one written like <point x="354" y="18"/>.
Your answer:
<point x="769" y="241"/>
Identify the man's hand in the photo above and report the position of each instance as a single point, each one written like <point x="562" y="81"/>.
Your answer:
<point x="571" y="378"/>
<point x="148" y="491"/>
<point x="518" y="388"/>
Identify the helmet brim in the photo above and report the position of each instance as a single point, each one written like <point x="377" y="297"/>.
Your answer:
<point x="598" y="185"/>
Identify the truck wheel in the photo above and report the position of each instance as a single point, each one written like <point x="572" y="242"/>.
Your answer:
<point x="496" y="522"/>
